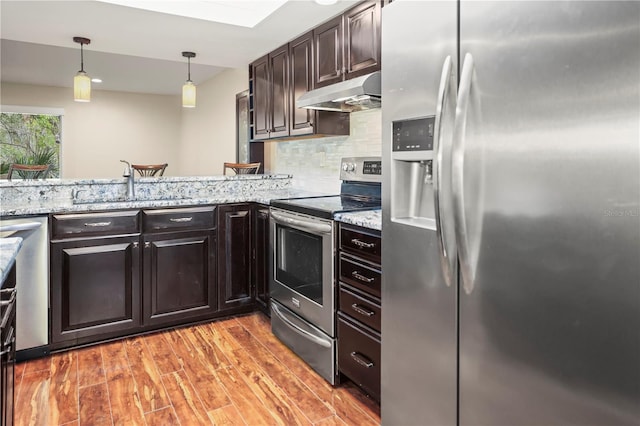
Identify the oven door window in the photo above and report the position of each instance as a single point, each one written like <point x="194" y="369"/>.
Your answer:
<point x="299" y="261"/>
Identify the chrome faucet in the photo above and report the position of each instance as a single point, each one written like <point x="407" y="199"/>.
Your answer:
<point x="128" y="173"/>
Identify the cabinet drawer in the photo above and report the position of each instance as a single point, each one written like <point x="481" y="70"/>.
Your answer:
<point x="359" y="355"/>
<point x="363" y="277"/>
<point x="360" y="308"/>
<point x="170" y="219"/>
<point x="93" y="224"/>
<point x="368" y="246"/>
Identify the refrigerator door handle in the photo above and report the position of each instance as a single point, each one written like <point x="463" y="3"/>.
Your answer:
<point x="459" y="133"/>
<point x="447" y="246"/>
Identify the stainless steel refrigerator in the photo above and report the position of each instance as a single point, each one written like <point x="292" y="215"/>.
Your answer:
<point x="511" y="213"/>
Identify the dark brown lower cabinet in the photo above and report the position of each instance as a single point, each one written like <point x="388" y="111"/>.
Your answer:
<point x="234" y="256"/>
<point x="179" y="276"/>
<point x="261" y="257"/>
<point x="360" y="309"/>
<point x="95" y="288"/>
<point x="359" y="354"/>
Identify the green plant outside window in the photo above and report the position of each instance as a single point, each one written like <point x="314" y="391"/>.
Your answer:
<point x="30" y="139"/>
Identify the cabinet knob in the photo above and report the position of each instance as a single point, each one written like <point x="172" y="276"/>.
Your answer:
<point x="147" y="244"/>
<point x="136" y="245"/>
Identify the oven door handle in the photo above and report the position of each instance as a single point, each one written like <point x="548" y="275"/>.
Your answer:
<point x="321" y="228"/>
<point x="299" y="330"/>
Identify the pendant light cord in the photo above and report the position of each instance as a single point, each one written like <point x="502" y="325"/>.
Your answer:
<point x="81" y="57"/>
<point x="189" y="69"/>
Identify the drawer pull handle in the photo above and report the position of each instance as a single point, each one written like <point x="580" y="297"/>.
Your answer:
<point x="181" y="219"/>
<point x="362" y="311"/>
<point x="358" y="276"/>
<point x="362" y="244"/>
<point x="361" y="359"/>
<point x="98" y="224"/>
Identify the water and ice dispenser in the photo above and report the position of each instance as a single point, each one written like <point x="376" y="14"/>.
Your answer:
<point x="412" y="157"/>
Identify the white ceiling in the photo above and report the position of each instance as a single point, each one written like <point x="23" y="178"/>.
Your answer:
<point x="136" y="50"/>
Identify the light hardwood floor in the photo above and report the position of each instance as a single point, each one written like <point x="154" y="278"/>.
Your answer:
<point x="231" y="372"/>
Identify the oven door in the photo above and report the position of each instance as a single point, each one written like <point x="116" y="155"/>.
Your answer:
<point x="302" y="265"/>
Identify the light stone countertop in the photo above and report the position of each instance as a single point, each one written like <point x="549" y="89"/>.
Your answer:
<point x="40" y="197"/>
<point x="9" y="248"/>
<point x="371" y="219"/>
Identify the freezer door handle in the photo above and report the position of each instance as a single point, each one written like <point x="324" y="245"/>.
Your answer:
<point x="446" y="103"/>
<point x="457" y="178"/>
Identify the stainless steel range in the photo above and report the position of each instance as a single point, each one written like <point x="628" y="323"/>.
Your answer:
<point x="302" y="263"/>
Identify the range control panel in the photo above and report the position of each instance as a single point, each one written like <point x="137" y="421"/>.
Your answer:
<point x="361" y="169"/>
<point x="413" y="135"/>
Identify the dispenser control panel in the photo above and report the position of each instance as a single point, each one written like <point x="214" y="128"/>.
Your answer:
<point x="413" y="135"/>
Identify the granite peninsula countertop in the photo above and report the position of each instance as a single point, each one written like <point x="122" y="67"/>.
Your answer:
<point x="24" y="198"/>
<point x="371" y="219"/>
<point x="9" y="248"/>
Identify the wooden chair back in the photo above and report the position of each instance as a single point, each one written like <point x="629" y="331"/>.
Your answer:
<point x="242" y="168"/>
<point x="28" y="171"/>
<point x="149" y="170"/>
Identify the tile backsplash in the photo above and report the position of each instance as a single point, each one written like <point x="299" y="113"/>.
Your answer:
<point x="315" y="163"/>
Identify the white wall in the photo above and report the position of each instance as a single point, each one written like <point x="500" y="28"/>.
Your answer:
<point x="139" y="128"/>
<point x="315" y="163"/>
<point x="208" y="133"/>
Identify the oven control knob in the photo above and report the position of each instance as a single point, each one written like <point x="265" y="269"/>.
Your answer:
<point x="349" y="167"/>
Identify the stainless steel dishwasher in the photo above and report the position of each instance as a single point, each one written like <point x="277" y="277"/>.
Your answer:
<point x="32" y="276"/>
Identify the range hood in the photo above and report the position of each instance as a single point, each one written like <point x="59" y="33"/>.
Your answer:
<point x="357" y="94"/>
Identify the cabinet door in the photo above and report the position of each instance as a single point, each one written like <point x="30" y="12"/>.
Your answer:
<point x="261" y="114"/>
<point x="362" y="39"/>
<point x="261" y="258"/>
<point x="95" y="288"/>
<point x="234" y="260"/>
<point x="327" y="44"/>
<point x="179" y="276"/>
<point x="301" y="72"/>
<point x="279" y="69"/>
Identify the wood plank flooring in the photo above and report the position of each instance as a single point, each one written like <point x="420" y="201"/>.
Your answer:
<point x="227" y="372"/>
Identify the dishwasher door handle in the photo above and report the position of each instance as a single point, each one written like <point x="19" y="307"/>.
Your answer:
<point x="15" y="227"/>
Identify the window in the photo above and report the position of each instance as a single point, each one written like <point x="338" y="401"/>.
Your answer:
<point x="30" y="138"/>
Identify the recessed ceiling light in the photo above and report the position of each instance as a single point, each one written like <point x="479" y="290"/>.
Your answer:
<point x="326" y="2"/>
<point x="234" y="12"/>
<point x="96" y="80"/>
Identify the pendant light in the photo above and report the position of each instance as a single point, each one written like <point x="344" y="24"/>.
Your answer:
<point x="189" y="89"/>
<point x="81" y="82"/>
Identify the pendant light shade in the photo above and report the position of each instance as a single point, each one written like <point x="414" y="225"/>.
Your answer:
<point x="189" y="89"/>
<point x="82" y="82"/>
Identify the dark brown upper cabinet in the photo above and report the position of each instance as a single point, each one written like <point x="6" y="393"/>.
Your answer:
<point x="270" y="74"/>
<point x="301" y="72"/>
<point x="260" y="118"/>
<point x="307" y="122"/>
<point x="348" y="46"/>
<point x="279" y="65"/>
<point x="327" y="41"/>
